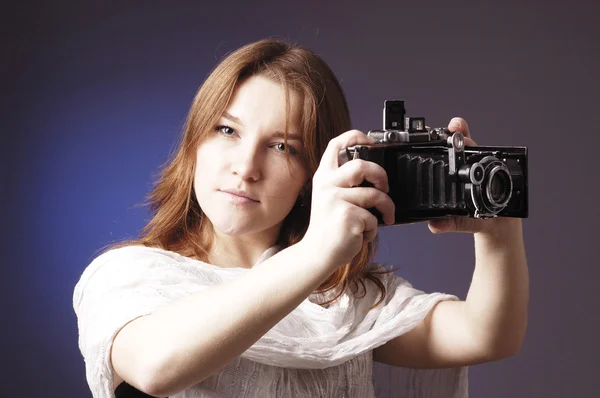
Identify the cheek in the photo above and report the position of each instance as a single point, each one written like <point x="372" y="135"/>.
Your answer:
<point x="291" y="182"/>
<point x="203" y="155"/>
<point x="209" y="158"/>
<point x="204" y="170"/>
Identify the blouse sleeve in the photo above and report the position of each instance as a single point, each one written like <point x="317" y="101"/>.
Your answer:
<point x="116" y="288"/>
<point x="405" y="307"/>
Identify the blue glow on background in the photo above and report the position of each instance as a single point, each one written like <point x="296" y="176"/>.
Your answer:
<point x="94" y="98"/>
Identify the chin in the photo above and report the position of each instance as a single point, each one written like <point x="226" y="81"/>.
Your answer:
<point x="241" y="228"/>
<point x="235" y="227"/>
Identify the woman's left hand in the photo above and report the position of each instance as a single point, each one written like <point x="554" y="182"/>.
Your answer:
<point x="463" y="223"/>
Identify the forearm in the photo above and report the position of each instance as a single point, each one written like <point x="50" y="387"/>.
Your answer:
<point x="498" y="298"/>
<point x="186" y="342"/>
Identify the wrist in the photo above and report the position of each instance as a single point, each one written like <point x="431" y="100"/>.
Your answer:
<point x="500" y="228"/>
<point x="501" y="232"/>
<point x="312" y="256"/>
<point x="316" y="256"/>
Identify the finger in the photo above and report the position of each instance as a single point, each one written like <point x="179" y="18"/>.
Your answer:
<point x="353" y="173"/>
<point x="456" y="224"/>
<point x="470" y="142"/>
<point x="458" y="124"/>
<point x="345" y="140"/>
<point x="370" y="234"/>
<point x="366" y="198"/>
<point x="468" y="224"/>
<point x="358" y="221"/>
<point x="370" y="231"/>
<point x="442" y="225"/>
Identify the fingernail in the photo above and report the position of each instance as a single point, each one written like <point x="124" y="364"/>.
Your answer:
<point x="456" y="123"/>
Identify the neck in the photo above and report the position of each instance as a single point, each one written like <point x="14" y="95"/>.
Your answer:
<point x="238" y="251"/>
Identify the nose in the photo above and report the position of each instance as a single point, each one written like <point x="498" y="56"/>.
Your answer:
<point x="246" y="162"/>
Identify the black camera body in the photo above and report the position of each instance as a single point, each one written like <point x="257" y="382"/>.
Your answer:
<point x="432" y="174"/>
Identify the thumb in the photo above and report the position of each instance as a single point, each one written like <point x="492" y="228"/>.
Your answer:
<point x="442" y="225"/>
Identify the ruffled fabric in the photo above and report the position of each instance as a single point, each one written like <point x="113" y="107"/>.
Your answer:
<point x="126" y="283"/>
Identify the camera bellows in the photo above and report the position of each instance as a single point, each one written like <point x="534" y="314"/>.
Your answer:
<point x="422" y="184"/>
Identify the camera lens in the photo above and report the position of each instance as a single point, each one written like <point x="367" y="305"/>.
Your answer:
<point x="498" y="185"/>
<point x="498" y="189"/>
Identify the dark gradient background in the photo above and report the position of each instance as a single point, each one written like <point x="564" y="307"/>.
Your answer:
<point x="93" y="97"/>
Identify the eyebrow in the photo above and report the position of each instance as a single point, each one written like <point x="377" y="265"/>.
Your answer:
<point x="234" y="119"/>
<point x="279" y="134"/>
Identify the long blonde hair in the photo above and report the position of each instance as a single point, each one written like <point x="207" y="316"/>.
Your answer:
<point x="178" y="223"/>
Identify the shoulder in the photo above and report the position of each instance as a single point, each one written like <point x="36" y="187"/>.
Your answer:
<point x="123" y="265"/>
<point x="130" y="257"/>
<point x="131" y="252"/>
<point x="387" y="277"/>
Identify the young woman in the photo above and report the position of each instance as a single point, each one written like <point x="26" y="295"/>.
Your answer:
<point x="254" y="276"/>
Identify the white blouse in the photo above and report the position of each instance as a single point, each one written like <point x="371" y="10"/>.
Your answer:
<point x="312" y="352"/>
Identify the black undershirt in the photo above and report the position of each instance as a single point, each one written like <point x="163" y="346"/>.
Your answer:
<point x="125" y="390"/>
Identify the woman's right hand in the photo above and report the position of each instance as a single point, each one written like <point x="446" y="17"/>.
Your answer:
<point x="339" y="219"/>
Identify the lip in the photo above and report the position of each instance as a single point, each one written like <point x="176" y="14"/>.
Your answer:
<point x="240" y="194"/>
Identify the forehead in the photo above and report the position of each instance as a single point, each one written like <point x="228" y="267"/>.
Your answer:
<point x="259" y="99"/>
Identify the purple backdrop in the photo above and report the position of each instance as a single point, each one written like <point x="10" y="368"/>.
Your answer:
<point x="93" y="98"/>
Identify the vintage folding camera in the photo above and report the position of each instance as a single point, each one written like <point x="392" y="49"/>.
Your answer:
<point x="432" y="174"/>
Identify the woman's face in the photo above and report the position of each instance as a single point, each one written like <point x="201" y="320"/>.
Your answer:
<point x="244" y="182"/>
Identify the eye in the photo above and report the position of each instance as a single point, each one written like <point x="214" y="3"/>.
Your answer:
<point x="225" y="130"/>
<point x="281" y="147"/>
